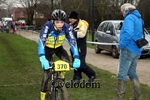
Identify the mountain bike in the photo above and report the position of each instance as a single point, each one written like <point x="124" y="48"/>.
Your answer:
<point x="56" y="86"/>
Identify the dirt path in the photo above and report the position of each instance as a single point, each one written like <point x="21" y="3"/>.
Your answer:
<point x="104" y="60"/>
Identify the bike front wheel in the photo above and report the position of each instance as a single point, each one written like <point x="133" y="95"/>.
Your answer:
<point x="59" y="93"/>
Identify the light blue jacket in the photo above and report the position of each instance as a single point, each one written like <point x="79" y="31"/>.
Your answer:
<point x="131" y="31"/>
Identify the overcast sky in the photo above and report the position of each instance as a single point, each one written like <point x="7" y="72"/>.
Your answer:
<point x="14" y="2"/>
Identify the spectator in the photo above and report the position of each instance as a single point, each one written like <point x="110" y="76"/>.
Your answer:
<point x="132" y="30"/>
<point x="11" y="26"/>
<point x="80" y="31"/>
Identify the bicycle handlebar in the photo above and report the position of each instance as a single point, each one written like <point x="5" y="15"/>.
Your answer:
<point x="73" y="68"/>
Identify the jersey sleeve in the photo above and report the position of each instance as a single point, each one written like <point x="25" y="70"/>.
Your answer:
<point x="42" y="38"/>
<point x="72" y="41"/>
<point x="82" y="29"/>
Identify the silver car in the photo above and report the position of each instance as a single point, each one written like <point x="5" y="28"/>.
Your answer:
<point x="108" y="32"/>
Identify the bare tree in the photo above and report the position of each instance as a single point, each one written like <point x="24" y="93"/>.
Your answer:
<point x="2" y="1"/>
<point x="30" y="6"/>
<point x="1" y="8"/>
<point x="145" y="11"/>
<point x="104" y="9"/>
<point x="44" y="8"/>
<point x="5" y="9"/>
<point x="83" y="7"/>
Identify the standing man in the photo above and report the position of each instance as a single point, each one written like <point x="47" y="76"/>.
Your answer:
<point x="131" y="31"/>
<point x="11" y="26"/>
<point x="80" y="30"/>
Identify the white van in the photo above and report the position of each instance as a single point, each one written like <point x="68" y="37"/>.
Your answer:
<point x="6" y="19"/>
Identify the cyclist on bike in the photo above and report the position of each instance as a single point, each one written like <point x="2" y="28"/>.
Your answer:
<point x="52" y="37"/>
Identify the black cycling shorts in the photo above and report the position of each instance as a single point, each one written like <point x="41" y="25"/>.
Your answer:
<point x="59" y="52"/>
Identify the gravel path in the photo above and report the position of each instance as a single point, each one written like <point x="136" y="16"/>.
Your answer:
<point x="103" y="60"/>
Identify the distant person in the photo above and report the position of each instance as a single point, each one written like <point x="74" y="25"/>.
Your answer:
<point x="52" y="37"/>
<point x="132" y="30"/>
<point x="11" y="26"/>
<point x="80" y="31"/>
<point x="2" y="26"/>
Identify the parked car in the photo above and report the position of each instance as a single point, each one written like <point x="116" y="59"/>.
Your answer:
<point x="108" y="32"/>
<point x="3" y="27"/>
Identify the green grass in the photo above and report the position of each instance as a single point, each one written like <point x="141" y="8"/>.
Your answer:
<point x="89" y="38"/>
<point x="21" y="74"/>
<point x="19" y="64"/>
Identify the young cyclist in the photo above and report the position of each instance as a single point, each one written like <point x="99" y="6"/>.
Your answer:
<point x="52" y="37"/>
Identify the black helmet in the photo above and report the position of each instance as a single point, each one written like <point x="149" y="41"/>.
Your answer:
<point x="58" y="15"/>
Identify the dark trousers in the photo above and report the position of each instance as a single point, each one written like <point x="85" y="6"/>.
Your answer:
<point x="84" y="67"/>
<point x="49" y="52"/>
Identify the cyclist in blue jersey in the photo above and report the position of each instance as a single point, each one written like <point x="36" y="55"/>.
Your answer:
<point x="52" y="37"/>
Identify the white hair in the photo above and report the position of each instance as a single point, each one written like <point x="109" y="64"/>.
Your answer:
<point x="127" y="6"/>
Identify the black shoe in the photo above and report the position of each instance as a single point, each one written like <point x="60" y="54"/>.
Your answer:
<point x="91" y="79"/>
<point x="76" y="81"/>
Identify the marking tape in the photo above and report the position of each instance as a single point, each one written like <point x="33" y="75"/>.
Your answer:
<point x="102" y="43"/>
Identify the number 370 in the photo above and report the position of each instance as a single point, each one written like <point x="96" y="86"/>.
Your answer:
<point x="61" y="66"/>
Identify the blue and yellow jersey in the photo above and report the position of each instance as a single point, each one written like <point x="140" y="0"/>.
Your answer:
<point x="53" y="38"/>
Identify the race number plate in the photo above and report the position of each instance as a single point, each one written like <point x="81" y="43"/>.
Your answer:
<point x="61" y="66"/>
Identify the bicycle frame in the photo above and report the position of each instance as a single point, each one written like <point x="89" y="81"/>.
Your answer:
<point x="57" y="75"/>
